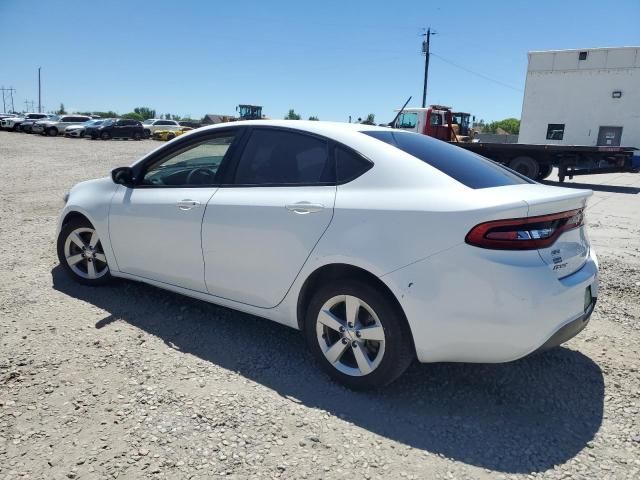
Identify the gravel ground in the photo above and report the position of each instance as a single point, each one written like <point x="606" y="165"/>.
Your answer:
<point x="129" y="381"/>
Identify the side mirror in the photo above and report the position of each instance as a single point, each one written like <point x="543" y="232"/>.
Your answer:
<point x="122" y="176"/>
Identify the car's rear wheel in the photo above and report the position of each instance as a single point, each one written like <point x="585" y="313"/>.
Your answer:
<point x="137" y="136"/>
<point x="52" y="132"/>
<point x="147" y="133"/>
<point x="358" y="334"/>
<point x="81" y="254"/>
<point x="105" y="136"/>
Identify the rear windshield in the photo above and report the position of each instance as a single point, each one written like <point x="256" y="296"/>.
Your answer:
<point x="466" y="167"/>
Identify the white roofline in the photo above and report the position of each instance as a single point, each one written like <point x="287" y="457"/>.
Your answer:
<point x="583" y="49"/>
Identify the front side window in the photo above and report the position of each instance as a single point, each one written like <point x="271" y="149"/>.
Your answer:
<point x="279" y="157"/>
<point x="555" y="131"/>
<point x="196" y="165"/>
<point x="466" y="167"/>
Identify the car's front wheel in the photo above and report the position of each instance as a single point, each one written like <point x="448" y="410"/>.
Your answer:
<point x="81" y="254"/>
<point x="52" y="132"/>
<point x="105" y="136"/>
<point x="358" y="334"/>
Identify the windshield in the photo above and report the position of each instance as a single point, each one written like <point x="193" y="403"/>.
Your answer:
<point x="408" y="120"/>
<point x="466" y="167"/>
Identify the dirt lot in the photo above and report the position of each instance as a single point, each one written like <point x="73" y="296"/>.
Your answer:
<point x="130" y="381"/>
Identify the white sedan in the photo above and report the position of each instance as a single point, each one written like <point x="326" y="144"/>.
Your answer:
<point x="380" y="245"/>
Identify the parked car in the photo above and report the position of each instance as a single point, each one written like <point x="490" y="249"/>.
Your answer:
<point x="166" y="135"/>
<point x="27" y="125"/>
<point x="120" y="128"/>
<point x="57" y="124"/>
<point x="186" y="123"/>
<point x="12" y="123"/>
<point x="380" y="245"/>
<point x="154" y="124"/>
<point x="80" y="130"/>
<point x="7" y="115"/>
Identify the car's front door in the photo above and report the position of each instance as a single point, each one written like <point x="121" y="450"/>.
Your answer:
<point x="155" y="227"/>
<point x="258" y="232"/>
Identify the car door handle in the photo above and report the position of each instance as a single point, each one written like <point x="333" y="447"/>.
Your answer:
<point x="188" y="204"/>
<point x="304" y="207"/>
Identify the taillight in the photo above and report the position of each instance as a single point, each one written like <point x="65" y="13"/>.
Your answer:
<point x="524" y="233"/>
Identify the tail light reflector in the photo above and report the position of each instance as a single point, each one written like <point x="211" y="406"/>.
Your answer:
<point x="529" y="233"/>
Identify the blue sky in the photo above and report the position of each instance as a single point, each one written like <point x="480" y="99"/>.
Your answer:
<point x="330" y="58"/>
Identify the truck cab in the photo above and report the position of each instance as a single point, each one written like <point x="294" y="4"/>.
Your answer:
<point x="434" y="121"/>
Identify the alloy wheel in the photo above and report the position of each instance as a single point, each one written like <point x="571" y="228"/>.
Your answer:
<point x="84" y="255"/>
<point x="350" y="335"/>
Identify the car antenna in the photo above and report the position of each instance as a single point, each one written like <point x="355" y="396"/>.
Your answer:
<point x="393" y="122"/>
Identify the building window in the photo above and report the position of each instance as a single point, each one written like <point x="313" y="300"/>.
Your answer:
<point x="582" y="55"/>
<point x="555" y="131"/>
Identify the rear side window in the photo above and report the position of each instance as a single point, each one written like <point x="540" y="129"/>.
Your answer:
<point x="350" y="165"/>
<point x="278" y="157"/>
<point x="466" y="167"/>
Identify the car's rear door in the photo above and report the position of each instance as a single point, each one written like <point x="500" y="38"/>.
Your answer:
<point x="260" y="228"/>
<point x="155" y="227"/>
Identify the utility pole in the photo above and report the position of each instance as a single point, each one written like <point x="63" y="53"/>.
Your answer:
<point x="10" y="90"/>
<point x="39" y="93"/>
<point x="425" y="50"/>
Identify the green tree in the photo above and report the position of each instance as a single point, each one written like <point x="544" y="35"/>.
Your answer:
<point x="145" y="112"/>
<point x="292" y="115"/>
<point x="509" y="125"/>
<point x="370" y="120"/>
<point x="134" y="116"/>
<point x="313" y="117"/>
<point x="61" y="110"/>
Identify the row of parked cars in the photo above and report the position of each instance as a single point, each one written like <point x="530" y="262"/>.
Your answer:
<point x="94" y="128"/>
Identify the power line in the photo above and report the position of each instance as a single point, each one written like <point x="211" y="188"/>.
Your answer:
<point x="481" y="75"/>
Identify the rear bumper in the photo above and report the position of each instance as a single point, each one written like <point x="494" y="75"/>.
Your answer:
<point x="475" y="305"/>
<point x="568" y="331"/>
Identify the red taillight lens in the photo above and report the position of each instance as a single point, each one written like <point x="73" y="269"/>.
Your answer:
<point x="524" y="233"/>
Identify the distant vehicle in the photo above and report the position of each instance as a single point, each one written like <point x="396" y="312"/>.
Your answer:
<point x="152" y="125"/>
<point x="190" y="124"/>
<point x="57" y="124"/>
<point x="12" y="123"/>
<point x="7" y="115"/>
<point x="249" y="112"/>
<point x="122" y="128"/>
<point x="166" y="135"/>
<point x="534" y="161"/>
<point x="27" y="125"/>
<point x="80" y="130"/>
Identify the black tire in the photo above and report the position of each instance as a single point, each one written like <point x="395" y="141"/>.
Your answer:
<point x="146" y="133"/>
<point x="65" y="232"/>
<point x="94" y="137"/>
<point x="544" y="171"/>
<point x="52" y="132"/>
<point x="14" y="128"/>
<point x="105" y="136"/>
<point x="170" y="136"/>
<point x="137" y="136"/>
<point x="398" y="351"/>
<point x="527" y="166"/>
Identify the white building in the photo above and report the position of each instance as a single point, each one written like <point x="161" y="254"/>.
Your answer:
<point x="582" y="97"/>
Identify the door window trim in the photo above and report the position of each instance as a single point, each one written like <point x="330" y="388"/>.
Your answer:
<point x="178" y="147"/>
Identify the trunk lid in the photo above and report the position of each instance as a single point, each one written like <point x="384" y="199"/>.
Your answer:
<point x="570" y="251"/>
